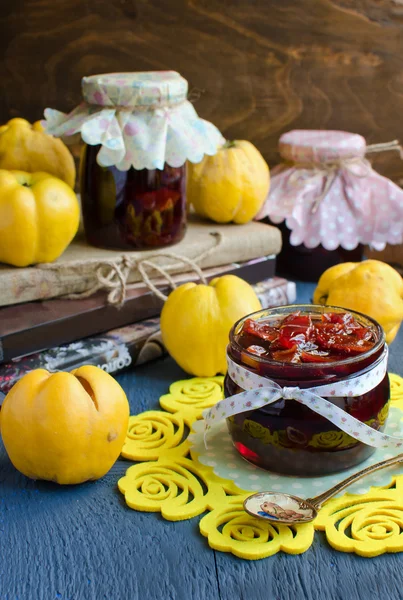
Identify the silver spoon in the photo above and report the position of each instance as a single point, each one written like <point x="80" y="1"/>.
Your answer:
<point x="280" y="507"/>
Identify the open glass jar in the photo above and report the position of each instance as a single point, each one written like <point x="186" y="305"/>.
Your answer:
<point x="139" y="131"/>
<point x="288" y="437"/>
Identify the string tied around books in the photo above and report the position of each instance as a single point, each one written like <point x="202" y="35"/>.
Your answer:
<point x="113" y="276"/>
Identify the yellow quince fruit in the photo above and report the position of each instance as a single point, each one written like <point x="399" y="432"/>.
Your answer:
<point x="231" y="185"/>
<point x="65" y="427"/>
<point x="196" y="321"/>
<point x="371" y="287"/>
<point x="39" y="216"/>
<point x="26" y="147"/>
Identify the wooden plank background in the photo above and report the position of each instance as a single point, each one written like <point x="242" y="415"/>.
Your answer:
<point x="265" y="66"/>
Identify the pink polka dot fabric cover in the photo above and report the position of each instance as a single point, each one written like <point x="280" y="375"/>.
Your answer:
<point x="139" y="120"/>
<point x="359" y="206"/>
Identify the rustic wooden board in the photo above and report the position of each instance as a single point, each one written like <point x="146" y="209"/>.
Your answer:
<point x="265" y="66"/>
<point x="83" y="543"/>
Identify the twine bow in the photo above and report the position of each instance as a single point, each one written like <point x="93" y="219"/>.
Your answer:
<point x="113" y="276"/>
<point x="357" y="165"/>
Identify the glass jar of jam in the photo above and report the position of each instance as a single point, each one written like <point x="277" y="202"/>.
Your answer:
<point x="132" y="209"/>
<point x="329" y="202"/>
<point x="306" y="346"/>
<point x="139" y="130"/>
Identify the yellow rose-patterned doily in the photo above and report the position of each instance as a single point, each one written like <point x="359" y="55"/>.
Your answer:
<point x="171" y="480"/>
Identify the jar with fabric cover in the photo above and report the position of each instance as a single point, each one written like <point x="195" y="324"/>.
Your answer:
<point x="304" y="418"/>
<point x="329" y="202"/>
<point x="139" y="131"/>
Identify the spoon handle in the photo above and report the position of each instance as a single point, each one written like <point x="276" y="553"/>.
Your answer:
<point x="317" y="501"/>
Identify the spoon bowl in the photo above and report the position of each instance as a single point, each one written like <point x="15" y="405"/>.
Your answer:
<point x="280" y="507"/>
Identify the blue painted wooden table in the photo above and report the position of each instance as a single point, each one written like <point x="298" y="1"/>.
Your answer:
<point x="83" y="543"/>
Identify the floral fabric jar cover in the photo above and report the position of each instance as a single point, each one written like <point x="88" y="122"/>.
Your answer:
<point x="328" y="194"/>
<point x="140" y="120"/>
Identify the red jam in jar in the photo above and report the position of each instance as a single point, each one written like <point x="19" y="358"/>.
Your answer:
<point x="306" y="346"/>
<point x="140" y="130"/>
<point x="134" y="209"/>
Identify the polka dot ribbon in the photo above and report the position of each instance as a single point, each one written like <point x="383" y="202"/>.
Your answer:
<point x="261" y="391"/>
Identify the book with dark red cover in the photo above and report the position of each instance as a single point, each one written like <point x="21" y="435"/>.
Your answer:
<point x="37" y="326"/>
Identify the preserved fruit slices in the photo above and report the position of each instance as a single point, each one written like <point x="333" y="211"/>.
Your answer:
<point x="306" y="338"/>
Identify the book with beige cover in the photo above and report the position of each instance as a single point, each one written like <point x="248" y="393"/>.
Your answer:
<point x="84" y="270"/>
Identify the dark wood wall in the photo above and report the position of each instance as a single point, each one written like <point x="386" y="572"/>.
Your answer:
<point x="265" y="66"/>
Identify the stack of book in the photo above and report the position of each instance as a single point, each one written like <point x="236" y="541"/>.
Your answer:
<point x="40" y="328"/>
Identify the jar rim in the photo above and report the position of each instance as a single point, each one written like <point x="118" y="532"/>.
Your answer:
<point x="319" y="309"/>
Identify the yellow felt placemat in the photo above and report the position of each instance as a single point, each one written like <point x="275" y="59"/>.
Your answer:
<point x="170" y="479"/>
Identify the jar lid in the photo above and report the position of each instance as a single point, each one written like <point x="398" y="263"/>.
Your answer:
<point x="313" y="146"/>
<point x="139" y="120"/>
<point x="148" y="89"/>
